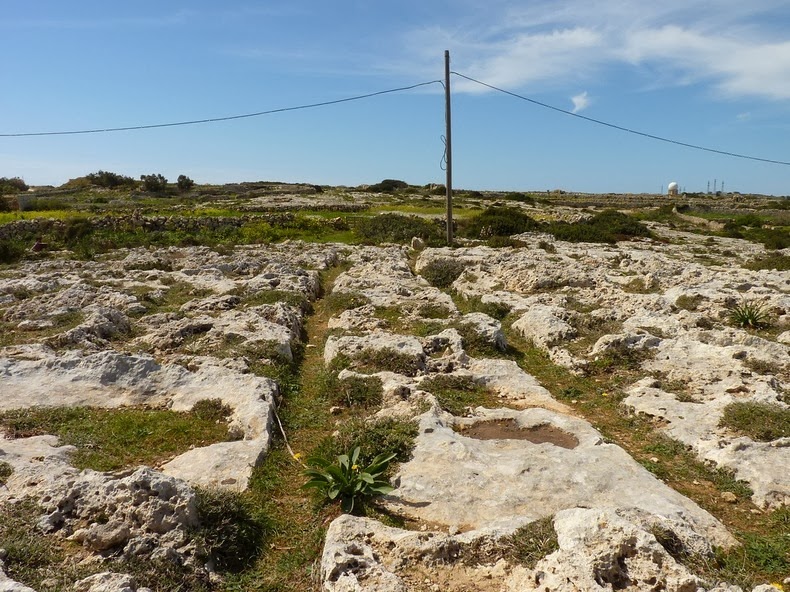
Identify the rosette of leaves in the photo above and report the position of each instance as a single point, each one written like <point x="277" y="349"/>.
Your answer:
<point x="346" y="480"/>
<point x="749" y="315"/>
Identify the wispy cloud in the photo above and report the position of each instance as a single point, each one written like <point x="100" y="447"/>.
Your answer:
<point x="738" y="48"/>
<point x="580" y="102"/>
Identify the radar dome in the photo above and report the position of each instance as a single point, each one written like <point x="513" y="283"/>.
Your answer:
<point x="672" y="186"/>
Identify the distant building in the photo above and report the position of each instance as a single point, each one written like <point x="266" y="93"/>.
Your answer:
<point x="672" y="188"/>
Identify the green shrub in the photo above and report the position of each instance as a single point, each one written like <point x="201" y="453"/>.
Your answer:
<point x="184" y="183"/>
<point x="778" y="262"/>
<point x="231" y="529"/>
<point x="348" y="479"/>
<point x="608" y="226"/>
<point x="519" y="197"/>
<point x="775" y="238"/>
<point x="395" y="228"/>
<point x="380" y="360"/>
<point x="441" y="273"/>
<point x="388" y="186"/>
<point x="10" y="251"/>
<point x="155" y="183"/>
<point x="12" y="185"/>
<point x="498" y="221"/>
<point x="760" y="421"/>
<point x="107" y="179"/>
<point x="6" y="470"/>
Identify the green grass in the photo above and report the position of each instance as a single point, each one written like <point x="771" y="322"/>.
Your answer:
<point x="532" y="542"/>
<point x="456" y="393"/>
<point x="759" y="421"/>
<point x="779" y="262"/>
<point x="110" y="439"/>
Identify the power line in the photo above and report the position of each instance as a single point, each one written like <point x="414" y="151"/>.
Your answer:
<point x="216" y="119"/>
<point x="621" y="128"/>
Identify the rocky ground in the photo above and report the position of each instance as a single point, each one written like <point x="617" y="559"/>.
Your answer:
<point x="169" y="328"/>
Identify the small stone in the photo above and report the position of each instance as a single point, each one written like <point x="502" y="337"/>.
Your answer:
<point x="335" y="410"/>
<point x="729" y="497"/>
<point x="654" y="459"/>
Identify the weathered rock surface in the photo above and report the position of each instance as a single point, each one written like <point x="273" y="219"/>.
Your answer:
<point x="470" y="483"/>
<point x="108" y="582"/>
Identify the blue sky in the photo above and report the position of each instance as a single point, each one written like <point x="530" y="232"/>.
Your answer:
<point x="715" y="74"/>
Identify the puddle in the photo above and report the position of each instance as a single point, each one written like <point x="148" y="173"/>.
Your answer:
<point x="508" y="429"/>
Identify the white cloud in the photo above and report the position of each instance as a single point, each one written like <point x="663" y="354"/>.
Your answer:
<point x="580" y="102"/>
<point x="738" y="48"/>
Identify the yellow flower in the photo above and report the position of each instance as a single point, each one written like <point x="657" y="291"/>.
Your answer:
<point x="298" y="456"/>
<point x="604" y="394"/>
<point x="355" y="467"/>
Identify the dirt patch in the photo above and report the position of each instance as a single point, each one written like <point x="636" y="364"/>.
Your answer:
<point x="508" y="429"/>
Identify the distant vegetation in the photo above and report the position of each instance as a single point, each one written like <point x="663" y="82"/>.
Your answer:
<point x="608" y="226"/>
<point x="12" y="185"/>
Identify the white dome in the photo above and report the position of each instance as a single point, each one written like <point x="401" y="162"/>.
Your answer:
<point x="672" y="185"/>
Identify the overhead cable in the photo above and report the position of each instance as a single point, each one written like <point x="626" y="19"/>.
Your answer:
<point x="216" y="119"/>
<point x="619" y="127"/>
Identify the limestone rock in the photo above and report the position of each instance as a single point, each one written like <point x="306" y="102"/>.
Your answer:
<point x="598" y="550"/>
<point x="108" y="582"/>
<point x="451" y="477"/>
<point x="545" y="326"/>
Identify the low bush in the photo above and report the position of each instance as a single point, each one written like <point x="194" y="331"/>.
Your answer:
<point x="498" y="221"/>
<point x="12" y="185"/>
<point x="155" y="183"/>
<point x="779" y="262"/>
<point x="388" y="185"/>
<point x="608" y="226"/>
<point x="10" y="251"/>
<point x="441" y="273"/>
<point x="232" y="530"/>
<point x="184" y="183"/>
<point x="107" y="179"/>
<point x="395" y="228"/>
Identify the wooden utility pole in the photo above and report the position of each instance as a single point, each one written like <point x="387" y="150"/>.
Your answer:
<point x="449" y="148"/>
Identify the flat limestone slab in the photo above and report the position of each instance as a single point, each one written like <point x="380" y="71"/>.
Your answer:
<point x="469" y="484"/>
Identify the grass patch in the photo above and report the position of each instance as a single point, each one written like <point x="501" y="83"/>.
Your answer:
<point x="232" y="529"/>
<point x="532" y="542"/>
<point x="759" y="421"/>
<point x="6" y="470"/>
<point x="370" y="361"/>
<point x="389" y="435"/>
<point x="110" y="439"/>
<point x="356" y="391"/>
<point x="777" y="261"/>
<point x="456" y="393"/>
